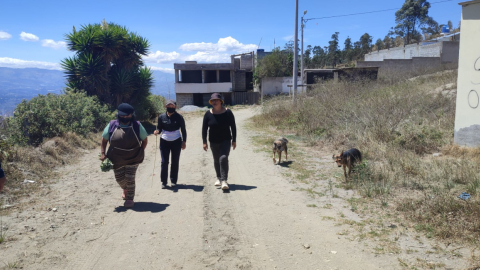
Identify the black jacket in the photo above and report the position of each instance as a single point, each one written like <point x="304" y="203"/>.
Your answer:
<point x="172" y="123"/>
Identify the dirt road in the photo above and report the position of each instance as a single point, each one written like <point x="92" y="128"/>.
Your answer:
<point x="260" y="224"/>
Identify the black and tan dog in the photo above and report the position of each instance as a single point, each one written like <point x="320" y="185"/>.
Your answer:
<point x="348" y="159"/>
<point x="280" y="145"/>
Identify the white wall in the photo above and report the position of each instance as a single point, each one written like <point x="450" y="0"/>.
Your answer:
<point x="467" y="117"/>
<point x="203" y="87"/>
<point x="277" y="85"/>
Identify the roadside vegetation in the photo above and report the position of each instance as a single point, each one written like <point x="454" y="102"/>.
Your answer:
<point x="51" y="130"/>
<point x="404" y="128"/>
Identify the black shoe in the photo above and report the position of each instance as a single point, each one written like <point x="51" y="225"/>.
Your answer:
<point x="164" y="186"/>
<point x="173" y="185"/>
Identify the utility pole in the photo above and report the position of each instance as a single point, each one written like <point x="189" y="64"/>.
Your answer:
<point x="295" y="52"/>
<point x="301" y="67"/>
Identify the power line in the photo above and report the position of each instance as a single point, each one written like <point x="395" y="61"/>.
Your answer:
<point x="368" y="12"/>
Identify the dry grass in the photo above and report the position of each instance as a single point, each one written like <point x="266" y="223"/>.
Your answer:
<point x="38" y="163"/>
<point x="397" y="124"/>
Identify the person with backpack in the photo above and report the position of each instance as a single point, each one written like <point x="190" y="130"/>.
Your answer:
<point x="128" y="140"/>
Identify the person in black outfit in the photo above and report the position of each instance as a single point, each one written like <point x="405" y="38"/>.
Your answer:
<point x="170" y="124"/>
<point x="219" y="121"/>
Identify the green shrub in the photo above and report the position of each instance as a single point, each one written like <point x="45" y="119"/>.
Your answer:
<point x="150" y="107"/>
<point x="47" y="116"/>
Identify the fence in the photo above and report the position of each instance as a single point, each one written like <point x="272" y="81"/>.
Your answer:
<point x="248" y="98"/>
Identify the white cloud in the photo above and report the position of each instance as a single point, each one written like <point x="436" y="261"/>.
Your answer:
<point x="54" y="44"/>
<point x="227" y="44"/>
<point x="162" y="57"/>
<point x="166" y="70"/>
<point x="174" y="57"/>
<point x="28" y="37"/>
<point x="209" y="57"/>
<point x="4" y="35"/>
<point x="18" y="63"/>
<point x="204" y="52"/>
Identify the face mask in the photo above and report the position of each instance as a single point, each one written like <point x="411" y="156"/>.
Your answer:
<point x="171" y="110"/>
<point x="124" y="120"/>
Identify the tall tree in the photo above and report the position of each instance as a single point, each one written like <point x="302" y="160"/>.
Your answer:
<point x="450" y="26"/>
<point x="307" y="58"/>
<point x="108" y="63"/>
<point x="333" y="50"/>
<point x="348" y="50"/>
<point x="410" y="17"/>
<point x="379" y="44"/>
<point x="319" y="57"/>
<point x="365" y="43"/>
<point x="432" y="28"/>
<point x="276" y="64"/>
<point x="388" y="42"/>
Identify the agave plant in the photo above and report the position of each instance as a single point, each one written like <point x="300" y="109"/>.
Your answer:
<point x="108" y="63"/>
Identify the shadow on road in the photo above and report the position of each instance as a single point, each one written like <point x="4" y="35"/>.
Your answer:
<point x="286" y="164"/>
<point x="234" y="187"/>
<point x="144" y="207"/>
<point x="181" y="186"/>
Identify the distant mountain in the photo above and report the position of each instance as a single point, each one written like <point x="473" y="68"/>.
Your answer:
<point x="17" y="84"/>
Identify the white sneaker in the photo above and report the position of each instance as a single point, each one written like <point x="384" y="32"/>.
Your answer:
<point x="218" y="183"/>
<point x="224" y="185"/>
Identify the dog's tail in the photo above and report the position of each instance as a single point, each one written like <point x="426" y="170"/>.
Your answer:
<point x="284" y="139"/>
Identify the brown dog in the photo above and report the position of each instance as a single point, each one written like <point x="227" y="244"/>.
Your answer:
<point x="280" y="145"/>
<point x="348" y="159"/>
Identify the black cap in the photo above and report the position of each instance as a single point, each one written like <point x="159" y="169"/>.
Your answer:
<point x="125" y="109"/>
<point x="216" y="96"/>
<point x="170" y="101"/>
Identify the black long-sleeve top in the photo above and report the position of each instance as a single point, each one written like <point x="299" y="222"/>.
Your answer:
<point x="219" y="126"/>
<point x="172" y="123"/>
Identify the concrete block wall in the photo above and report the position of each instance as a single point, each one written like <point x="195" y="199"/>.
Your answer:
<point x="430" y="50"/>
<point x="409" y="51"/>
<point x="406" y="67"/>
<point x="246" y="62"/>
<point x="240" y="81"/>
<point x="393" y="53"/>
<point x="450" y="51"/>
<point x="184" y="99"/>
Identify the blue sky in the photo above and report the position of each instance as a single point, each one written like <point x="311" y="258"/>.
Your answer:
<point x="32" y="32"/>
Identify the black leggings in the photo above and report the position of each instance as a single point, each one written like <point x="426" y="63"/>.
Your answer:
<point x="220" y="153"/>
<point x="167" y="147"/>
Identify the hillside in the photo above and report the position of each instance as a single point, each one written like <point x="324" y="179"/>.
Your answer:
<point x="25" y="83"/>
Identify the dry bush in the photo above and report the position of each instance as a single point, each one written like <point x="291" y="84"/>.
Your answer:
<point x="38" y="163"/>
<point x="397" y="124"/>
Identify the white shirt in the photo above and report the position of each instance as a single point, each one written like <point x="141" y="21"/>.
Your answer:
<point x="171" y="135"/>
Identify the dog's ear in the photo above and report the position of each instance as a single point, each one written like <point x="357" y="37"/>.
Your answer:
<point x="333" y="157"/>
<point x="341" y="154"/>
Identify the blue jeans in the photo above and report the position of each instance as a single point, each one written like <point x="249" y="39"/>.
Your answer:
<point x="167" y="147"/>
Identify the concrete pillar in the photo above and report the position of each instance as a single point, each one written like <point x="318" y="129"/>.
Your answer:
<point x="203" y="76"/>
<point x="335" y="76"/>
<point x="218" y="75"/>
<point x="467" y="115"/>
<point x="176" y="75"/>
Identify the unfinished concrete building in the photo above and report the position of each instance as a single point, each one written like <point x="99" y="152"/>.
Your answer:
<point x="195" y="82"/>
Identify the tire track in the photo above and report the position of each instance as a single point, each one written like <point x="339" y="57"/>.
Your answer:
<point x="223" y="243"/>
